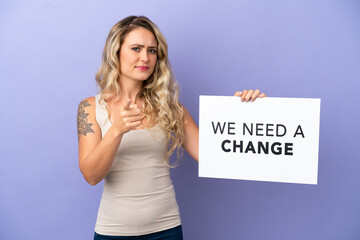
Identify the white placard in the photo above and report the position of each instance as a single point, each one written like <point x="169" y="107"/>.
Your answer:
<point x="271" y="139"/>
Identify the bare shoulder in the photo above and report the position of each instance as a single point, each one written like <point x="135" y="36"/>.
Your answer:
<point x="184" y="108"/>
<point x="86" y="116"/>
<point x="87" y="102"/>
<point x="87" y="107"/>
<point x="186" y="115"/>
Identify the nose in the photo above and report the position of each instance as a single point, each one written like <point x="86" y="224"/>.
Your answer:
<point x="144" y="55"/>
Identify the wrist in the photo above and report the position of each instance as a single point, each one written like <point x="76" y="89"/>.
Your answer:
<point x="116" y="133"/>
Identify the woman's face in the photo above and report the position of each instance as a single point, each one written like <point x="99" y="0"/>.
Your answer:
<point x="138" y="55"/>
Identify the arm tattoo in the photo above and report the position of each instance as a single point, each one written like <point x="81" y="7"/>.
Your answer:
<point x="82" y="121"/>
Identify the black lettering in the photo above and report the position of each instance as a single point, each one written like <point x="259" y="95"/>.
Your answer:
<point x="223" y="146"/>
<point x="258" y="125"/>
<point x="278" y="150"/>
<point x="288" y="149"/>
<point x="240" y="146"/>
<point x="265" y="149"/>
<point x="268" y="129"/>
<point x="277" y="130"/>
<point x="231" y="128"/>
<point x="218" y="126"/>
<point x="250" y="131"/>
<point x="299" y="131"/>
<point x="250" y="147"/>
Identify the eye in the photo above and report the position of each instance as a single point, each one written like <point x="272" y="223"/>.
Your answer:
<point x="152" y="51"/>
<point x="136" y="49"/>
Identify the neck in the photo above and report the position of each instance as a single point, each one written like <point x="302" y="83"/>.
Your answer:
<point x="129" y="89"/>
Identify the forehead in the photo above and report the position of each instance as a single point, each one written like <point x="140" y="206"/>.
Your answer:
<point x="140" y="36"/>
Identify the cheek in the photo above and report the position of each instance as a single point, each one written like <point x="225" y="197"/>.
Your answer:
<point x="154" y="60"/>
<point x="127" y="59"/>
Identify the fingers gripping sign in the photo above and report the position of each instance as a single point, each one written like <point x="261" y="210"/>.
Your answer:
<point x="249" y="95"/>
<point x="129" y="117"/>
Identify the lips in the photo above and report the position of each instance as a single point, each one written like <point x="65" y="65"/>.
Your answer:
<point x="142" y="68"/>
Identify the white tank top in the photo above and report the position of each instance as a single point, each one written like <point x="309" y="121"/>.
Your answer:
<point x="138" y="196"/>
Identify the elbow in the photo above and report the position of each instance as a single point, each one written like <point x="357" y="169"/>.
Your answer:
<point x="89" y="178"/>
<point x="91" y="181"/>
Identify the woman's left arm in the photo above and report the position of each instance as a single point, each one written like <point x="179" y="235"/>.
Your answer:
<point x="191" y="142"/>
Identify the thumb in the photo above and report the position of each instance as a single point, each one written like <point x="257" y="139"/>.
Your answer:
<point x="238" y="93"/>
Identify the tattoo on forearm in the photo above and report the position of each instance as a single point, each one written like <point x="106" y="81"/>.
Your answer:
<point x="82" y="121"/>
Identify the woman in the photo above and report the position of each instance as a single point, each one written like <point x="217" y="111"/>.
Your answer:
<point x="128" y="131"/>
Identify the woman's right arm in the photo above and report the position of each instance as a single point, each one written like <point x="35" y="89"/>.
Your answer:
<point x="96" y="154"/>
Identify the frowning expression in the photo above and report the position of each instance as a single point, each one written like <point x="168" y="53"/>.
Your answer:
<point x="138" y="55"/>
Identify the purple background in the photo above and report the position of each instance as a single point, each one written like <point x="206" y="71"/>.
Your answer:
<point x="50" y="51"/>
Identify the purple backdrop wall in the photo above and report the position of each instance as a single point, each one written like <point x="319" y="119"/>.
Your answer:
<point x="50" y="51"/>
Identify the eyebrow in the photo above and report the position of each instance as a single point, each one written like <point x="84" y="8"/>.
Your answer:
<point x="139" y="45"/>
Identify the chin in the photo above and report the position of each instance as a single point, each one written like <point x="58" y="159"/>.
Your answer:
<point x="143" y="77"/>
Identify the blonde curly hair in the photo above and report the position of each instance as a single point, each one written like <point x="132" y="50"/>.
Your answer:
<point x="160" y="91"/>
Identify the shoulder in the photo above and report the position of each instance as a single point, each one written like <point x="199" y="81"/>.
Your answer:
<point x="88" y="100"/>
<point x="186" y="115"/>
<point x="86" y="117"/>
<point x="87" y="106"/>
<point x="183" y="108"/>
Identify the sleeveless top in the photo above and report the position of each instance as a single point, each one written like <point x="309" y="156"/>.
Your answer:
<point x="138" y="196"/>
